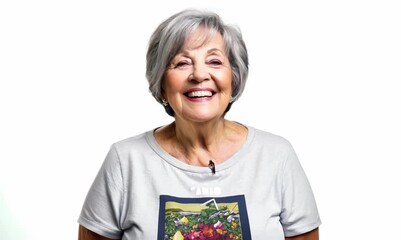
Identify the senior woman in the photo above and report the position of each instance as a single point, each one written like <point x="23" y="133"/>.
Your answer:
<point x="202" y="176"/>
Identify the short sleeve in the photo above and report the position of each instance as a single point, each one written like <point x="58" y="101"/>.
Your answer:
<point x="299" y="210"/>
<point x="101" y="212"/>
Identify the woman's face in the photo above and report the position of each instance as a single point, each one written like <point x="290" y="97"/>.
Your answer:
<point x="197" y="84"/>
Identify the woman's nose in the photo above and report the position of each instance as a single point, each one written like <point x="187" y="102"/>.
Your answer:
<point x="200" y="73"/>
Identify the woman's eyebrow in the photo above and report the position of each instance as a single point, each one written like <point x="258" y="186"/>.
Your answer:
<point x="212" y="50"/>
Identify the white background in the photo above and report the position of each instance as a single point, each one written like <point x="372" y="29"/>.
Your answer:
<point x="323" y="74"/>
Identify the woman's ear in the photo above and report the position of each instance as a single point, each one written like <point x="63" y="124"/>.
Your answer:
<point x="163" y="94"/>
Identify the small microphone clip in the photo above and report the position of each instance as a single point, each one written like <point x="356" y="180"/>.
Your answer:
<point x="212" y="166"/>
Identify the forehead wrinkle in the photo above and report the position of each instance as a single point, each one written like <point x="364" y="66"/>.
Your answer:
<point x="210" y="51"/>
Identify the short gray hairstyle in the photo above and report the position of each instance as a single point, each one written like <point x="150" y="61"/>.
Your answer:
<point x="169" y="38"/>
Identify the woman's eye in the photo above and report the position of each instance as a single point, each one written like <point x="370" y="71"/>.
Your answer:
<point x="215" y="62"/>
<point x="182" y="64"/>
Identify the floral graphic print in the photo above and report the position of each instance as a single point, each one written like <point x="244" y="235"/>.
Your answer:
<point x="203" y="218"/>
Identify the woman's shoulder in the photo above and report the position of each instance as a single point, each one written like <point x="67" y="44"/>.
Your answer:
<point x="267" y="137"/>
<point x="134" y="141"/>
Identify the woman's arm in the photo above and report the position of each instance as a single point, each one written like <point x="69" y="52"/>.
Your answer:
<point x="312" y="235"/>
<point x="86" y="234"/>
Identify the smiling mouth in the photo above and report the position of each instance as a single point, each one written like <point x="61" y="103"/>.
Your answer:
<point x="199" y="94"/>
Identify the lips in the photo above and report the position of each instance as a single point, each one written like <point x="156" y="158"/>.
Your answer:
<point x="199" y="93"/>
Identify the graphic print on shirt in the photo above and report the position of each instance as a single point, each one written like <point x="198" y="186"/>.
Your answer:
<point x="217" y="218"/>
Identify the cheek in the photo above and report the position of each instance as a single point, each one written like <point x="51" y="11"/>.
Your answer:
<point x="172" y="84"/>
<point x="225" y="80"/>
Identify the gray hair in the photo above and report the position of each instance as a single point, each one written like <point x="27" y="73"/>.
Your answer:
<point x="169" y="37"/>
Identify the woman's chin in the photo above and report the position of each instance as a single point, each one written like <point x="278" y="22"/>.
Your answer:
<point x="202" y="117"/>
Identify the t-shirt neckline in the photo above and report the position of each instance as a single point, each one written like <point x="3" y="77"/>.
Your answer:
<point x="237" y="157"/>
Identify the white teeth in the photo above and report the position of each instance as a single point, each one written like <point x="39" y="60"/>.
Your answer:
<point x="200" y="94"/>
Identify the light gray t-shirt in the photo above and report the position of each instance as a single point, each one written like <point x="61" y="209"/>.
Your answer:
<point x="142" y="192"/>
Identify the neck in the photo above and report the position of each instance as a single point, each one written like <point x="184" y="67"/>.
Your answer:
<point x="198" y="143"/>
<point x="205" y="136"/>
